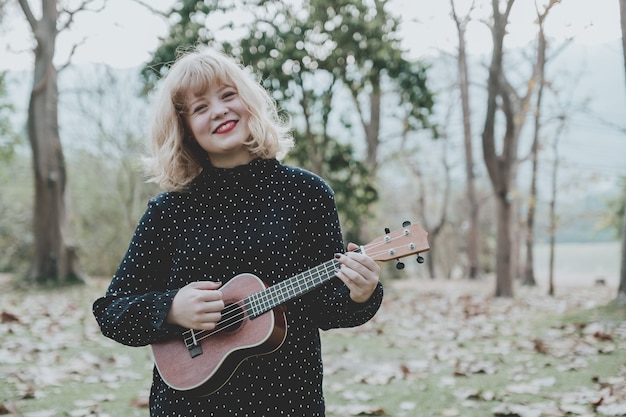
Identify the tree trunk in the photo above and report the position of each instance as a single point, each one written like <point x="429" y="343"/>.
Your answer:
<point x="529" y="268"/>
<point x="553" y="199"/>
<point x="54" y="260"/>
<point x="502" y="166"/>
<point x="553" y="219"/>
<point x="621" y="292"/>
<point x="372" y="129"/>
<point x="504" y="266"/>
<point x="430" y="256"/>
<point x="473" y="237"/>
<point x="433" y="230"/>
<point x="499" y="167"/>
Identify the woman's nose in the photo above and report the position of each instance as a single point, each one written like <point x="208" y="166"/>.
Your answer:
<point x="220" y="111"/>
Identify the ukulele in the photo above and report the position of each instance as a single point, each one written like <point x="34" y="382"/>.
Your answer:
<point x="253" y="320"/>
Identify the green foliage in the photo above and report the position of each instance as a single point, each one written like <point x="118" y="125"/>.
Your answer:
<point x="349" y="178"/>
<point x="367" y="51"/>
<point x="105" y="197"/>
<point x="106" y="192"/>
<point x="8" y="137"/>
<point x="16" y="195"/>
<point x="612" y="312"/>
<point x="416" y="99"/>
<point x="621" y="207"/>
<point x="187" y="30"/>
<point x="103" y="217"/>
<point x="305" y="55"/>
<point x="16" y="211"/>
<point x="617" y="205"/>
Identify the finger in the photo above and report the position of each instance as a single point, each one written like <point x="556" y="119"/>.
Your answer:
<point x="360" y="289"/>
<point x="352" y="277"/>
<point x="205" y="285"/>
<point x="352" y="246"/>
<point x="208" y="323"/>
<point x="213" y="306"/>
<point x="207" y="296"/>
<point x="210" y="318"/>
<point x="363" y="264"/>
<point x="346" y="280"/>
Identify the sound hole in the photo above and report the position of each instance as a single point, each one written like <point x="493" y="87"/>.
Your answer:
<point x="232" y="318"/>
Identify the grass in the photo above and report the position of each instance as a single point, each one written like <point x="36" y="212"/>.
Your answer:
<point x="434" y="349"/>
<point x="503" y="362"/>
<point x="608" y="313"/>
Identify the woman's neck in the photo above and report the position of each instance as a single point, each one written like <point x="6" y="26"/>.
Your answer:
<point x="231" y="161"/>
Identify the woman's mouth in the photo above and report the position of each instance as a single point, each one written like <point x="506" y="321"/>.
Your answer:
<point x="225" y="127"/>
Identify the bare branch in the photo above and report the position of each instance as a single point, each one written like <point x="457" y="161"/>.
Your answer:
<point x="151" y="9"/>
<point x="72" y="52"/>
<point x="30" y="17"/>
<point x="82" y="7"/>
<point x="509" y="6"/>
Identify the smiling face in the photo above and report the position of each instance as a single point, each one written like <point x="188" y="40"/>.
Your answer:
<point x="218" y="121"/>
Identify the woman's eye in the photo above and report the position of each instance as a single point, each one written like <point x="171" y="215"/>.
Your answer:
<point x="229" y="94"/>
<point x="199" y="109"/>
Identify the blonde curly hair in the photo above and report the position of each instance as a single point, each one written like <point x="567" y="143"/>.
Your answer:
<point x="176" y="158"/>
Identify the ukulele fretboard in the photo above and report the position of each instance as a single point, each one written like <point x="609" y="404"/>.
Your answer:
<point x="263" y="301"/>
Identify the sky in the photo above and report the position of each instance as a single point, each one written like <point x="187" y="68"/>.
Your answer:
<point x="124" y="33"/>
<point x="429" y="28"/>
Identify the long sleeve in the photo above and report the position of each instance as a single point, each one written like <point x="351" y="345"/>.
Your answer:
<point x="331" y="306"/>
<point x="135" y="306"/>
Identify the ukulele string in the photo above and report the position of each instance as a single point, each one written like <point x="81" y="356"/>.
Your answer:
<point x="237" y="315"/>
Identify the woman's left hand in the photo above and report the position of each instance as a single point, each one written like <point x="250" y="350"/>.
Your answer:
<point x="359" y="272"/>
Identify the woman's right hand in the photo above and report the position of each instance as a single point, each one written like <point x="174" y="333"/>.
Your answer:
<point x="197" y="306"/>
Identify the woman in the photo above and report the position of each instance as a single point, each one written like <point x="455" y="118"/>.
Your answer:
<point x="231" y="207"/>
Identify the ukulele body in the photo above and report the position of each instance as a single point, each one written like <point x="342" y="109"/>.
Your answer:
<point x="207" y="366"/>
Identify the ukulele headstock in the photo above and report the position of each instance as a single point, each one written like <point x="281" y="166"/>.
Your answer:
<point x="409" y="240"/>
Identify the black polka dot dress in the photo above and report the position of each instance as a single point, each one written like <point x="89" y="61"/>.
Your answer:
<point x="263" y="218"/>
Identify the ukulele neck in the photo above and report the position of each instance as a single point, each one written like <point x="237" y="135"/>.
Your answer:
<point x="271" y="297"/>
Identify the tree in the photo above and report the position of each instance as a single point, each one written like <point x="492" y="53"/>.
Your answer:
<point x="434" y="227"/>
<point x="55" y="258"/>
<point x="473" y="236"/>
<point x="621" y="293"/>
<point x="528" y="277"/>
<point x="104" y="147"/>
<point x="501" y="167"/>
<point x="366" y="54"/>
<point x="529" y="271"/>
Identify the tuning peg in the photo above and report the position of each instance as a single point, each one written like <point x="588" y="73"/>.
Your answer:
<point x="406" y="223"/>
<point x="399" y="264"/>
<point x="420" y="259"/>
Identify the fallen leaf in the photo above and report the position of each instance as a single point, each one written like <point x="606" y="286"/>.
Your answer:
<point x="8" y="318"/>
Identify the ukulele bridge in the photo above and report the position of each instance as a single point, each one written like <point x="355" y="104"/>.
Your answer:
<point x="195" y="348"/>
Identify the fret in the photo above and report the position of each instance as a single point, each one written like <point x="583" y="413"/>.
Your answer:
<point x="251" y="305"/>
<point x="265" y="300"/>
